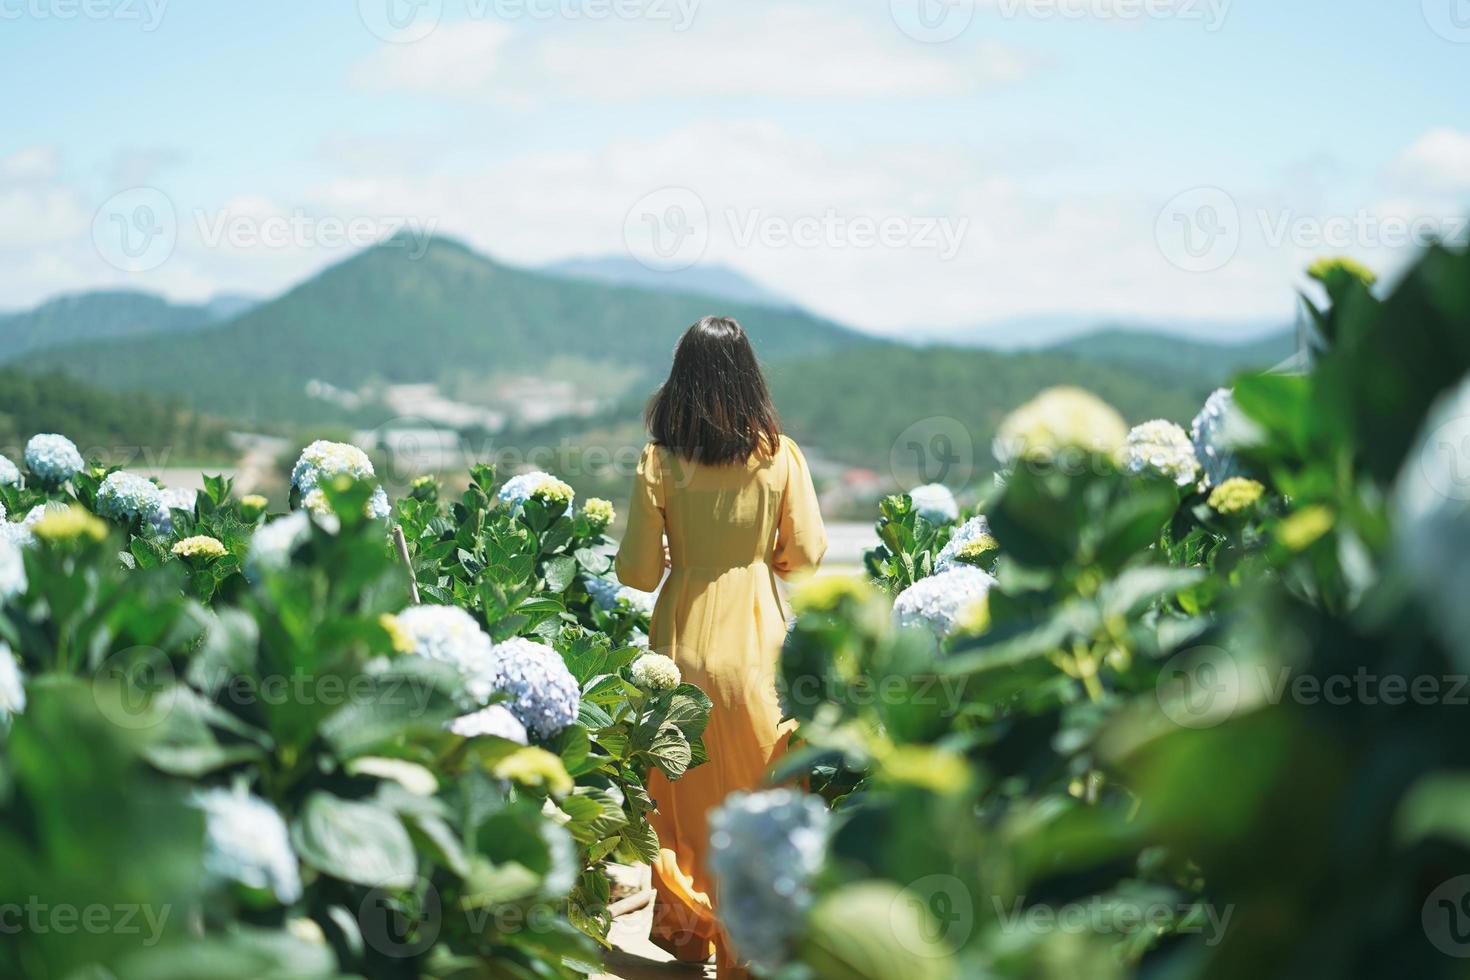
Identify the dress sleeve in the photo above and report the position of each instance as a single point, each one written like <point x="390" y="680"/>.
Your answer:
<point x="802" y="540"/>
<point x="640" y="563"/>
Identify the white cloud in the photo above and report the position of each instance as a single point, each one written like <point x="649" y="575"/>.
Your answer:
<point x="764" y="50"/>
<point x="30" y="164"/>
<point x="1439" y="161"/>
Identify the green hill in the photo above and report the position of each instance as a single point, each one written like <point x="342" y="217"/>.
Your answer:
<point x="105" y="314"/>
<point x="383" y="316"/>
<point x="1148" y="349"/>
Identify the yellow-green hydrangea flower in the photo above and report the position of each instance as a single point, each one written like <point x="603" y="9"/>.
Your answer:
<point x="200" y="546"/>
<point x="533" y="766"/>
<point x="599" y="513"/>
<point x="1326" y="271"/>
<point x="1235" y="495"/>
<point x="71" y="524"/>
<point x="1302" y="529"/>
<point x="253" y="504"/>
<point x="397" y="635"/>
<point x="824" y="593"/>
<point x="1057" y="420"/>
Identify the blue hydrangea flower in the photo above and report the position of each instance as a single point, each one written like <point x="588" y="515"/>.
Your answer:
<point x="450" y="635"/>
<point x="9" y="473"/>
<point x="543" y="693"/>
<point x="610" y="595"/>
<point x="378" y="506"/>
<point x="12" y="565"/>
<point x="935" y="503"/>
<point x="944" y="601"/>
<point x="246" y="841"/>
<point x="1216" y="432"/>
<point x="172" y="499"/>
<point x="519" y="489"/>
<point x="765" y="849"/>
<point x="126" y="497"/>
<point x="975" y="529"/>
<point x="12" y="685"/>
<point x="1161" y="447"/>
<point x="495" y="720"/>
<point x="52" y="459"/>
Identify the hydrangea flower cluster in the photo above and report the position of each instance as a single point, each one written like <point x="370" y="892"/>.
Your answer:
<point x="495" y="720"/>
<point x="273" y="542"/>
<point x="942" y="602"/>
<point x="543" y="693"/>
<point x="12" y="568"/>
<point x="450" y="635"/>
<point x="9" y="473"/>
<point x="975" y="531"/>
<point x="127" y="497"/>
<point x="1056" y="421"/>
<point x="200" y="546"/>
<point x="765" y="849"/>
<point x="1214" y="432"/>
<point x="12" y="685"/>
<point x="323" y="461"/>
<point x="611" y="595"/>
<point x="1235" y="495"/>
<point x="656" y="672"/>
<point x="934" y="503"/>
<point x="315" y="500"/>
<point x="543" y="486"/>
<point x="68" y="522"/>
<point x="246" y="841"/>
<point x="52" y="459"/>
<point x="172" y="499"/>
<point x="1432" y="518"/>
<point x="599" y="513"/>
<point x="1161" y="447"/>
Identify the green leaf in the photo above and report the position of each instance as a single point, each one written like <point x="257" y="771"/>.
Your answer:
<point x="355" y="842"/>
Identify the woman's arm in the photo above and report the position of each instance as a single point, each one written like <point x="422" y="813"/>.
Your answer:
<point x="641" y="560"/>
<point x="802" y="539"/>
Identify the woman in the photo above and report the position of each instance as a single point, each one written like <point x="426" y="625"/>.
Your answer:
<point x="734" y="500"/>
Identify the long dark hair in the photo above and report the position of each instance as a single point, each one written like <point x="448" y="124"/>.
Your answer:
<point x="714" y="408"/>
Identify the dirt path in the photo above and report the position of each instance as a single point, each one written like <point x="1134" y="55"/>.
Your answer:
<point x="635" y="958"/>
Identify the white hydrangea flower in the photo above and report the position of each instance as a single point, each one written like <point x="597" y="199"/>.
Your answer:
<point x="9" y="472"/>
<point x="935" y="503"/>
<point x="1216" y="432"/>
<point x="323" y="460"/>
<point x="1432" y="518"/>
<point x="765" y="849"/>
<point x="609" y="595"/>
<point x="4" y="512"/>
<point x="12" y="685"/>
<point x="941" y="602"/>
<point x="172" y="499"/>
<point x="450" y="635"/>
<point x="656" y="672"/>
<point x="1160" y="446"/>
<point x="519" y="489"/>
<point x="12" y="566"/>
<point x="543" y="693"/>
<point x="495" y="720"/>
<point x="315" y="501"/>
<point x="378" y="506"/>
<point x="1056" y="421"/>
<point x="272" y="543"/>
<point x="246" y="841"/>
<point x="127" y="496"/>
<point x="52" y="459"/>
<point x="17" y="533"/>
<point x="975" y="529"/>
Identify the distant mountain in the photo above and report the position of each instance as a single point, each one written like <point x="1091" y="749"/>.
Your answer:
<point x="384" y="315"/>
<point x="226" y="306"/>
<point x="1037" y="330"/>
<point x="718" y="281"/>
<point x="104" y="314"/>
<point x="1216" y="362"/>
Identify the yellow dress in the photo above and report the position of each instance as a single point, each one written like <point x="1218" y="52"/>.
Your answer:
<point x="731" y="530"/>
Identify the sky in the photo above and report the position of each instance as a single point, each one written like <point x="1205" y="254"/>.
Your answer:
<point x="896" y="165"/>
